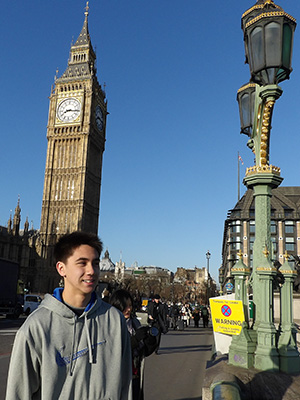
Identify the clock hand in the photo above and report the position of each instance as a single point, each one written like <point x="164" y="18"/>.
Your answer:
<point x="70" y="110"/>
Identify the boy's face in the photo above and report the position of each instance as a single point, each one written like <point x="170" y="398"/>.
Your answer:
<point x="80" y="272"/>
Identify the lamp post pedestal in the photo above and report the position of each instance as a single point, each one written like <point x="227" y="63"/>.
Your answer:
<point x="287" y="343"/>
<point x="242" y="348"/>
<point x="266" y="355"/>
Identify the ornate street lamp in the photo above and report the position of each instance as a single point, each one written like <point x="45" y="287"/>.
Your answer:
<point x="268" y="38"/>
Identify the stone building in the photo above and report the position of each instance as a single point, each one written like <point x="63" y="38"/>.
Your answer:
<point x="107" y="267"/>
<point x="239" y="229"/>
<point x="195" y="282"/>
<point x="20" y="245"/>
<point x="76" y="140"/>
<point x="197" y="275"/>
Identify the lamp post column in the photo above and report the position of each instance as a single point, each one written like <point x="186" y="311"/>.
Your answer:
<point x="207" y="258"/>
<point x="262" y="180"/>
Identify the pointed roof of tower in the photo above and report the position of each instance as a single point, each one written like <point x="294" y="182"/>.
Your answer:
<point x="82" y="56"/>
<point x="84" y="37"/>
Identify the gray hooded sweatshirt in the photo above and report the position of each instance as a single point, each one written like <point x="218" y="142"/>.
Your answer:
<point x="58" y="355"/>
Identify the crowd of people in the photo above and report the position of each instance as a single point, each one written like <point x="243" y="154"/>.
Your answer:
<point x="77" y="345"/>
<point x="187" y="313"/>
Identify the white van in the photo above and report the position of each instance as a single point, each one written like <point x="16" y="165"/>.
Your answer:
<point x="31" y="302"/>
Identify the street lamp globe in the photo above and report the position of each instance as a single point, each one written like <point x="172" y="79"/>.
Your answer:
<point x="268" y="38"/>
<point x="246" y="100"/>
<point x="207" y="258"/>
<point x="208" y="255"/>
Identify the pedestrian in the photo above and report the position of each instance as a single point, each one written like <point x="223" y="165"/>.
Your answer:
<point x="156" y="318"/>
<point x="205" y="316"/>
<point x="174" y="315"/>
<point x="143" y="342"/>
<point x="196" y="317"/>
<point x="185" y="314"/>
<point x="74" y="346"/>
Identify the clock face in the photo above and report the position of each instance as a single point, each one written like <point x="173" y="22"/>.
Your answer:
<point x="99" y="118"/>
<point x="68" y="110"/>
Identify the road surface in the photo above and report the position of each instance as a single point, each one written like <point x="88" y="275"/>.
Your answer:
<point x="178" y="371"/>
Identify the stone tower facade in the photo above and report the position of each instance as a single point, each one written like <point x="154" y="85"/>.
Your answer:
<point x="76" y="141"/>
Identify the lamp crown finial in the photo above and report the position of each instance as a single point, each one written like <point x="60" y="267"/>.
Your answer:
<point x="269" y="3"/>
<point x="266" y="251"/>
<point x="286" y="256"/>
<point x="240" y="254"/>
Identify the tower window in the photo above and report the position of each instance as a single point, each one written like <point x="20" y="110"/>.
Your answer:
<point x="288" y="212"/>
<point x="289" y="244"/>
<point x="273" y="227"/>
<point x="252" y="226"/>
<point x="289" y="227"/>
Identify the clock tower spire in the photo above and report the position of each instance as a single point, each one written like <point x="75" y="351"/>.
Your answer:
<point x="76" y="141"/>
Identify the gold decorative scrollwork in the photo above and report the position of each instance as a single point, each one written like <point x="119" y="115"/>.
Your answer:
<point x="265" y="132"/>
<point x="269" y="169"/>
<point x="268" y="15"/>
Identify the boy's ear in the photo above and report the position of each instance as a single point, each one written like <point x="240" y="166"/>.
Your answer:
<point x="60" y="267"/>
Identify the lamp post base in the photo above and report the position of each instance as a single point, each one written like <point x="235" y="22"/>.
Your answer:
<point x="266" y="354"/>
<point x="242" y="348"/>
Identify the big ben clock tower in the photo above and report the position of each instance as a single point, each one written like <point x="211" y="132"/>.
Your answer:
<point x="76" y="140"/>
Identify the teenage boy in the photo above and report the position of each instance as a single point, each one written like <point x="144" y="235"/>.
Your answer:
<point x="74" y="346"/>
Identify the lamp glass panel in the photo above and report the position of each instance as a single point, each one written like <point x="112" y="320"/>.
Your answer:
<point x="271" y="75"/>
<point x="281" y="75"/>
<point x="273" y="44"/>
<point x="252" y="105"/>
<point x="257" y="49"/>
<point x="287" y="46"/>
<point x="246" y="117"/>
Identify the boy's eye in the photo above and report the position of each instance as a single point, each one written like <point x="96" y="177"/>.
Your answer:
<point x="81" y="262"/>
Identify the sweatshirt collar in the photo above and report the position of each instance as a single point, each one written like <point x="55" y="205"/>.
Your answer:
<point x="57" y="293"/>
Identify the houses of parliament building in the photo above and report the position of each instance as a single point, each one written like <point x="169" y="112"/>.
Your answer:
<point x="71" y="196"/>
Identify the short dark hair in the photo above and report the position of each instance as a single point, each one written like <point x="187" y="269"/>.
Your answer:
<point x="66" y="245"/>
<point x="119" y="299"/>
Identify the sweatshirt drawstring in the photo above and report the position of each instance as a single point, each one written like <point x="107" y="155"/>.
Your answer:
<point x="88" y="339"/>
<point x="73" y="345"/>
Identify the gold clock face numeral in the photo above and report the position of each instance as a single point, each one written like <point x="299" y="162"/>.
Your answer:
<point x="68" y="110"/>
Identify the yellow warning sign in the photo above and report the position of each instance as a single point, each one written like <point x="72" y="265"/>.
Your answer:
<point x="227" y="315"/>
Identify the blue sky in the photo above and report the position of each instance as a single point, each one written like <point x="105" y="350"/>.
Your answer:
<point x="172" y="69"/>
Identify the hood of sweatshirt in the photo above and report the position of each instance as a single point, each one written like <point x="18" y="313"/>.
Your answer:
<point x="55" y="304"/>
<point x="58" y="354"/>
